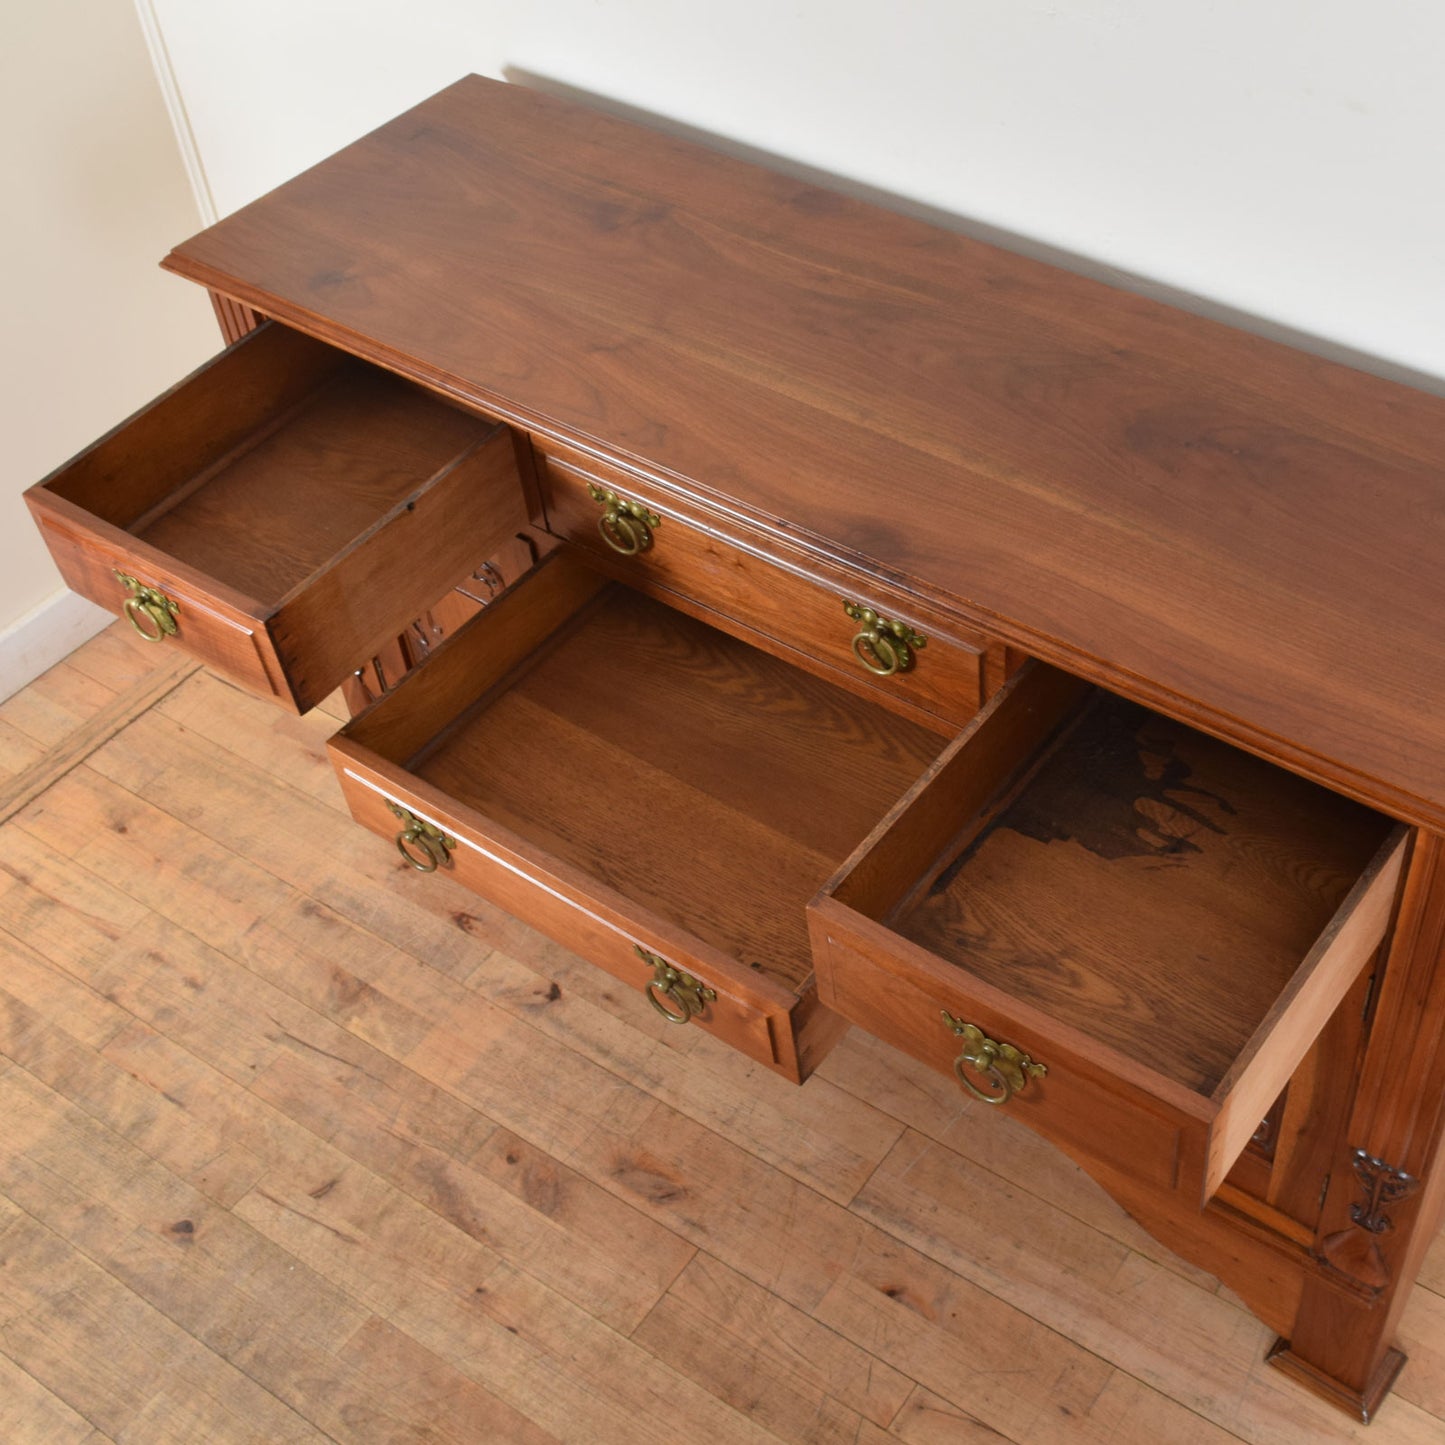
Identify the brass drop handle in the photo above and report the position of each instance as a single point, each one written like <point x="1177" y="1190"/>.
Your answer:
<point x="883" y="645"/>
<point x="151" y="612"/>
<point x="422" y="844"/>
<point x="626" y="526"/>
<point x="1004" y="1068"/>
<point x="687" y="995"/>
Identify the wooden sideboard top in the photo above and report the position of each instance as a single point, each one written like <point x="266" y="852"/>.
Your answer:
<point x="1235" y="532"/>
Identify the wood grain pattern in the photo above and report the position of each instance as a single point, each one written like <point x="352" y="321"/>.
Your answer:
<point x="1084" y="1105"/>
<point x="751" y="1011"/>
<point x="215" y="624"/>
<point x="166" y="446"/>
<point x="1282" y="1174"/>
<point x="1342" y="1342"/>
<point x="477" y="659"/>
<point x="354" y="603"/>
<point x="1086" y="477"/>
<point x="684" y="754"/>
<point x="196" y="1019"/>
<point x="1204" y="520"/>
<point x="799" y="614"/>
<point x="272" y="515"/>
<point x="647" y="794"/>
<point x="79" y="742"/>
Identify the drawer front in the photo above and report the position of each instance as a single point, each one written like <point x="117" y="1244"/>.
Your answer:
<point x="224" y="637"/>
<point x="526" y="888"/>
<point x="294" y="506"/>
<point x="759" y="598"/>
<point x="1082" y="1111"/>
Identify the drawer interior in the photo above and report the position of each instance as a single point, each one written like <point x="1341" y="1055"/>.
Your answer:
<point x="697" y="776"/>
<point x="268" y="464"/>
<point x="1153" y="888"/>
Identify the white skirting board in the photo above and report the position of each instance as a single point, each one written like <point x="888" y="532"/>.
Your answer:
<point x="44" y="636"/>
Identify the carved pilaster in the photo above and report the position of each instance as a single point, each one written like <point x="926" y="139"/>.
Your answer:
<point x="1386" y="1197"/>
<point x="234" y="319"/>
<point x="1353" y="1256"/>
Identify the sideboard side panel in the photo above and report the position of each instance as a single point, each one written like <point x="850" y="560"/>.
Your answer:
<point x="1387" y="1184"/>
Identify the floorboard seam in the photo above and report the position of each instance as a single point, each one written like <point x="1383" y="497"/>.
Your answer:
<point x="112" y="718"/>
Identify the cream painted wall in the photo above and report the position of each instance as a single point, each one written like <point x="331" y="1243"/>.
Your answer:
<point x="96" y="194"/>
<point x="1279" y="159"/>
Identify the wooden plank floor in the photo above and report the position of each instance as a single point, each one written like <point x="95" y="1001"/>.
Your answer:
<point x="299" y="1145"/>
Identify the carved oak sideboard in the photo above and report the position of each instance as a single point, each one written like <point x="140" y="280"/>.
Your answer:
<point x="898" y="632"/>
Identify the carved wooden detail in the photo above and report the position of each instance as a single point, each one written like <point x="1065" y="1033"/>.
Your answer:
<point x="1354" y="1254"/>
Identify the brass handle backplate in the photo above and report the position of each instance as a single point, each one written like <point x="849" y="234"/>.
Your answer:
<point x="1003" y="1068"/>
<point x="884" y="646"/>
<point x="687" y="995"/>
<point x="422" y="844"/>
<point x="626" y="526"/>
<point x="151" y="612"/>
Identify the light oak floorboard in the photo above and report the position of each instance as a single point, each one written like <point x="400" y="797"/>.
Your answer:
<point x="68" y="735"/>
<point x="18" y="751"/>
<point x="57" y="703"/>
<point x="297" y="1144"/>
<point x="116" y="658"/>
<point x="28" y="1411"/>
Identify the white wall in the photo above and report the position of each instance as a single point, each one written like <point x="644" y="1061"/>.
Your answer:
<point x="1284" y="159"/>
<point x="95" y="195"/>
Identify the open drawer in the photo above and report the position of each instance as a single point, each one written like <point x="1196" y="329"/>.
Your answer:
<point x="1125" y="931"/>
<point x="282" y="512"/>
<point x="655" y="793"/>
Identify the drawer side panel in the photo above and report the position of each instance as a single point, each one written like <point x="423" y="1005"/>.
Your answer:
<point x="1323" y="980"/>
<point x="451" y="526"/>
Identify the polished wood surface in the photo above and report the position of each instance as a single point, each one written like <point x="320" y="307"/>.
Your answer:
<point x="669" y="761"/>
<point x="1104" y="1116"/>
<point x="1139" y="905"/>
<point x="270" y="516"/>
<point x="234" y="319"/>
<point x="427" y="631"/>
<point x="1371" y="1247"/>
<point x="169" y="448"/>
<point x="1240" y="535"/>
<point x="446" y="1182"/>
